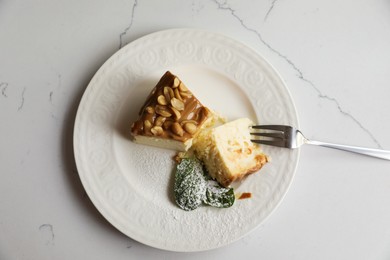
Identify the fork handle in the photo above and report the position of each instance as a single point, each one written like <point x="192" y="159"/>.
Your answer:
<point x="378" y="153"/>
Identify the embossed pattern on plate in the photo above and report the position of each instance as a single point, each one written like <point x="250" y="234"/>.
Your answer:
<point x="131" y="185"/>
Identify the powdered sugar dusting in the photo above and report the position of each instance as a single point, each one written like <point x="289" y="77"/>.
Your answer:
<point x="153" y="178"/>
<point x="152" y="174"/>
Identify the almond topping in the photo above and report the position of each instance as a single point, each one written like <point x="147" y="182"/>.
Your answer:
<point x="176" y="113"/>
<point x="157" y="130"/>
<point x="159" y="121"/>
<point x="185" y="94"/>
<point x="168" y="93"/>
<point x="161" y="100"/>
<point x="177" y="129"/>
<point x="163" y="111"/>
<point x="147" y="125"/>
<point x="176" y="103"/>
<point x="189" y="121"/>
<point x="149" y="109"/>
<point x="167" y="124"/>
<point x="190" y="128"/>
<point x="183" y="87"/>
<point x="177" y="94"/>
<point x="176" y="83"/>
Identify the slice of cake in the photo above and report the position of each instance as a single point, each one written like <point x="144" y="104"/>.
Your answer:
<point x="228" y="152"/>
<point x="171" y="116"/>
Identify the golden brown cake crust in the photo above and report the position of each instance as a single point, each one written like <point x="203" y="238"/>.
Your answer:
<point x="261" y="160"/>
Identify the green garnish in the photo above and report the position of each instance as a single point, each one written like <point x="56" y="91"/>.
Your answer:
<point x="218" y="196"/>
<point x="190" y="185"/>
<point x="193" y="186"/>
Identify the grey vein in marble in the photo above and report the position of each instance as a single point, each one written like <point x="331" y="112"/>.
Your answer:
<point x="59" y="84"/>
<point x="48" y="232"/>
<point x="51" y="97"/>
<point x="270" y="9"/>
<point x="4" y="86"/>
<point x="233" y="13"/>
<point x="130" y="24"/>
<point x="224" y="6"/>
<point x="342" y="111"/>
<point x="22" y="100"/>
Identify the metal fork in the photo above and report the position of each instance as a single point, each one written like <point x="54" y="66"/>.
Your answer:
<point x="290" y="137"/>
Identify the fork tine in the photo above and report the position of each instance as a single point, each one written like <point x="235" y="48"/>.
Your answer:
<point x="277" y="135"/>
<point x="271" y="127"/>
<point x="280" y="143"/>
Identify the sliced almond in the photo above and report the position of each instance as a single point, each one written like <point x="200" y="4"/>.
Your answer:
<point x="171" y="93"/>
<point x="149" y="110"/>
<point x="157" y="130"/>
<point x="162" y="100"/>
<point x="177" y="129"/>
<point x="176" y="103"/>
<point x="184" y="94"/>
<point x="189" y="121"/>
<point x="176" y="113"/>
<point x="183" y="87"/>
<point x="176" y="83"/>
<point x="159" y="121"/>
<point x="168" y="93"/>
<point x="163" y="111"/>
<point x="190" y="128"/>
<point x="167" y="124"/>
<point x="147" y="125"/>
<point x="177" y="94"/>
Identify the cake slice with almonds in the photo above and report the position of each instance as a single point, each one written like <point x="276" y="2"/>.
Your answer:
<point x="171" y="116"/>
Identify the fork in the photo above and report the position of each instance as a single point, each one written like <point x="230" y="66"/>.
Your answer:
<point x="290" y="137"/>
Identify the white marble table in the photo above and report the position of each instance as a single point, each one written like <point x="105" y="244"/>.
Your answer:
<point x="334" y="58"/>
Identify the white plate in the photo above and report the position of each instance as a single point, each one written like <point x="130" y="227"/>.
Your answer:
<point x="131" y="185"/>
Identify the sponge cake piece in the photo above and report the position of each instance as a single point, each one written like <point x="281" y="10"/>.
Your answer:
<point x="228" y="152"/>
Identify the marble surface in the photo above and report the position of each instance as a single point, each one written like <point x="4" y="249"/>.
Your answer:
<point x="334" y="58"/>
